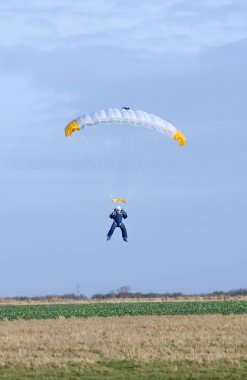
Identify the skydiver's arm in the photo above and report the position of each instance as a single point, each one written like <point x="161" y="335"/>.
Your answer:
<point x="125" y="216"/>
<point x="112" y="215"/>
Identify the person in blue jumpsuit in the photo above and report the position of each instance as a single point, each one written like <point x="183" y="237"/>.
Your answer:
<point x="118" y="215"/>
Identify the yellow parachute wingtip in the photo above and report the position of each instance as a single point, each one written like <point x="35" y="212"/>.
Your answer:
<point x="71" y="127"/>
<point x="119" y="200"/>
<point x="180" y="138"/>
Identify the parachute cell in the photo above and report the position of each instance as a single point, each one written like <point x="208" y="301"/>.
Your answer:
<point x="72" y="127"/>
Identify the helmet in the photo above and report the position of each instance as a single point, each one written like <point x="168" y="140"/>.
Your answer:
<point x="119" y="208"/>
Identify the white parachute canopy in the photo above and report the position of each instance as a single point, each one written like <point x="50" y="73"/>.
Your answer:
<point x="125" y="147"/>
<point x="125" y="116"/>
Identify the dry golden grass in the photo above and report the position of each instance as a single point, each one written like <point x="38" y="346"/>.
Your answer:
<point x="57" y="300"/>
<point x="202" y="339"/>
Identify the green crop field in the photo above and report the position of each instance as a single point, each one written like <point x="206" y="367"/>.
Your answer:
<point x="50" y="311"/>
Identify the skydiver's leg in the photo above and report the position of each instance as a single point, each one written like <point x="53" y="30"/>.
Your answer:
<point x="124" y="231"/>
<point x="113" y="226"/>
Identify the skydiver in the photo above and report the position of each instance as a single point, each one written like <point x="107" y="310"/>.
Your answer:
<point x="117" y="215"/>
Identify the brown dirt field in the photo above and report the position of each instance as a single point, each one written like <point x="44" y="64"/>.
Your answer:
<point x="201" y="339"/>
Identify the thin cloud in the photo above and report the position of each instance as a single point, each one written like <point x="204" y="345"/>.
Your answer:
<point x="171" y="27"/>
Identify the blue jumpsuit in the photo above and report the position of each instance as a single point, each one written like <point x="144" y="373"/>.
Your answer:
<point x="118" y="217"/>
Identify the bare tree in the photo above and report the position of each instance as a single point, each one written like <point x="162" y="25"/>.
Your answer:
<point x="124" y="289"/>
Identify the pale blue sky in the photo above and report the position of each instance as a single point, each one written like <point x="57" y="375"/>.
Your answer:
<point x="182" y="60"/>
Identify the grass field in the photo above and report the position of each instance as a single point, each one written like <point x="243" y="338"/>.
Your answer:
<point x="140" y="347"/>
<point x="48" y="311"/>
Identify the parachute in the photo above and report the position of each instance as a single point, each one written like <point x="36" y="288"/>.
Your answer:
<point x="120" y="151"/>
<point x="125" y="116"/>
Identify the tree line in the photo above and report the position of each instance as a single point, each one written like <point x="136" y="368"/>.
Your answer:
<point x="125" y="292"/>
